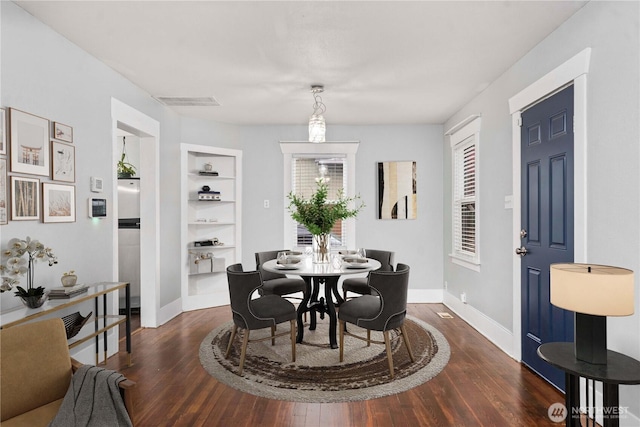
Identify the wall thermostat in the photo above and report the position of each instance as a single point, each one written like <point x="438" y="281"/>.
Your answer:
<point x="97" y="208"/>
<point x="96" y="184"/>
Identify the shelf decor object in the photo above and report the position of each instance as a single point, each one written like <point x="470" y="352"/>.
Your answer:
<point x="593" y="292"/>
<point x="74" y="322"/>
<point x="15" y="265"/>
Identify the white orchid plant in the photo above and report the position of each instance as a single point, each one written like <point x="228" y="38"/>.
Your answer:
<point x="15" y="264"/>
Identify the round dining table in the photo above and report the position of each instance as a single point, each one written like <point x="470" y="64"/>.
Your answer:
<point x="313" y="275"/>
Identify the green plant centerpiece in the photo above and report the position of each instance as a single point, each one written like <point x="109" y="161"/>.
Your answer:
<point x="15" y="264"/>
<point x="319" y="215"/>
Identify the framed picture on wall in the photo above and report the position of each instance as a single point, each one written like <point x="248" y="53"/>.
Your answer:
<point x="397" y="194"/>
<point x="25" y="198"/>
<point x="3" y="131"/>
<point x="58" y="203"/>
<point x="62" y="132"/>
<point x="4" y="216"/>
<point x="63" y="162"/>
<point x="29" y="143"/>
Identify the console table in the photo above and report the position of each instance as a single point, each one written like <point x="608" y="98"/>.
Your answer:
<point x="102" y="322"/>
<point x="620" y="369"/>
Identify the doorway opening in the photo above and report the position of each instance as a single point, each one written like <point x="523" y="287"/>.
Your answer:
<point x="136" y="126"/>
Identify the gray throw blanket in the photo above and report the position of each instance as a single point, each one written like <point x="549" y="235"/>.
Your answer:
<point x="93" y="400"/>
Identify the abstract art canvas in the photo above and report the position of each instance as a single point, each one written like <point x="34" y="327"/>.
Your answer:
<point x="397" y="197"/>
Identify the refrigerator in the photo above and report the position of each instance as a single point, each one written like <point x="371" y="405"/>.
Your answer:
<point x="129" y="238"/>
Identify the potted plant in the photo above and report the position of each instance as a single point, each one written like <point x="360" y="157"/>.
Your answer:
<point x="16" y="265"/>
<point x="125" y="169"/>
<point x="319" y="215"/>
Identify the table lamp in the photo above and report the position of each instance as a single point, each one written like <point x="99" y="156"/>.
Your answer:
<point x="593" y="292"/>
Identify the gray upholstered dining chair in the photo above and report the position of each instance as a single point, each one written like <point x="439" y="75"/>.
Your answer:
<point x="275" y="283"/>
<point x="382" y="312"/>
<point x="256" y="313"/>
<point x="358" y="285"/>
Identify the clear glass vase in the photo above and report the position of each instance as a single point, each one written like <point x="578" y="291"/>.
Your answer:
<point x="321" y="248"/>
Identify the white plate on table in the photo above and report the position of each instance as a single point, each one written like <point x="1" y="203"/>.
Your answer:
<point x="287" y="267"/>
<point x="359" y="266"/>
<point x="351" y="262"/>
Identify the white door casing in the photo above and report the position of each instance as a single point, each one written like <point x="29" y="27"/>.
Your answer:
<point x="148" y="129"/>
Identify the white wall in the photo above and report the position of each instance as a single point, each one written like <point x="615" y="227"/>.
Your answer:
<point x="611" y="29"/>
<point x="416" y="242"/>
<point x="44" y="74"/>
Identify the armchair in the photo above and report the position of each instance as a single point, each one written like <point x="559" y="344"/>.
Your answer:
<point x="36" y="372"/>
<point x="358" y="285"/>
<point x="259" y="313"/>
<point x="382" y="311"/>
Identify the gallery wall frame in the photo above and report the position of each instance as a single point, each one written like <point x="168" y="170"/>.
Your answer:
<point x="25" y="198"/>
<point x="3" y="131"/>
<point x="29" y="143"/>
<point x="58" y="202"/>
<point x="397" y="192"/>
<point x="63" y="162"/>
<point x="4" y="212"/>
<point x="62" y="132"/>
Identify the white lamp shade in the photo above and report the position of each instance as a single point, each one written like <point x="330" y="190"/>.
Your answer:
<point x="594" y="289"/>
<point x="316" y="128"/>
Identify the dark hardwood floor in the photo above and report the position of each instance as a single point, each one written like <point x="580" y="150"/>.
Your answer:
<point x="480" y="386"/>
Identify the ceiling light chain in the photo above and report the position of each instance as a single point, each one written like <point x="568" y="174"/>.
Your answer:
<point x="316" y="121"/>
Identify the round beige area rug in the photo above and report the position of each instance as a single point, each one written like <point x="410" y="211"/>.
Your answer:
<point x="318" y="375"/>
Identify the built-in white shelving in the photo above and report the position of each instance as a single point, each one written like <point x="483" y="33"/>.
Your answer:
<point x="204" y="284"/>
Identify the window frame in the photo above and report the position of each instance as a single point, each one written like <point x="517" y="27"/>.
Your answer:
<point x="289" y="149"/>
<point x="462" y="136"/>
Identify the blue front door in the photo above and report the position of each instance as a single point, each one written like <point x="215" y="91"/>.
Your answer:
<point x="547" y="223"/>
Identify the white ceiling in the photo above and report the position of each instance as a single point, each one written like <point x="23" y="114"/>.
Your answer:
<point x="381" y="61"/>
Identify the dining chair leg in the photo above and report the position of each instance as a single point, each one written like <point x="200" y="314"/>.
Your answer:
<point x="243" y="353"/>
<point x="341" y="327"/>
<point x="231" y="338"/>
<point x="405" y="338"/>
<point x="387" y="344"/>
<point x="368" y="337"/>
<point x="293" y="340"/>
<point x="273" y="332"/>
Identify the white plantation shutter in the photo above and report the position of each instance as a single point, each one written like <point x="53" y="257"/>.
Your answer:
<point x="306" y="171"/>
<point x="464" y="144"/>
<point x="465" y="199"/>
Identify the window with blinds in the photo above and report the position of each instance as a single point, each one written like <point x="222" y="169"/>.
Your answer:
<point x="465" y="236"/>
<point x="464" y="205"/>
<point x="306" y="173"/>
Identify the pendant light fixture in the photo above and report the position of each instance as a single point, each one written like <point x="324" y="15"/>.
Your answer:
<point x="316" y="121"/>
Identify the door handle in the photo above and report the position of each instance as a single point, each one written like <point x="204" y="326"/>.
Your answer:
<point x="522" y="251"/>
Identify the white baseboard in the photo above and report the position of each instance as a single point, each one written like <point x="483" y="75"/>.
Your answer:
<point x="169" y="311"/>
<point x="424" y="296"/>
<point x="493" y="331"/>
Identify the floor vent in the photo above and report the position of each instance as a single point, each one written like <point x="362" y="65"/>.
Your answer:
<point x="187" y="101"/>
<point x="445" y="315"/>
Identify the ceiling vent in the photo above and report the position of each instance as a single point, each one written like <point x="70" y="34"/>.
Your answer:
<point x="187" y="101"/>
